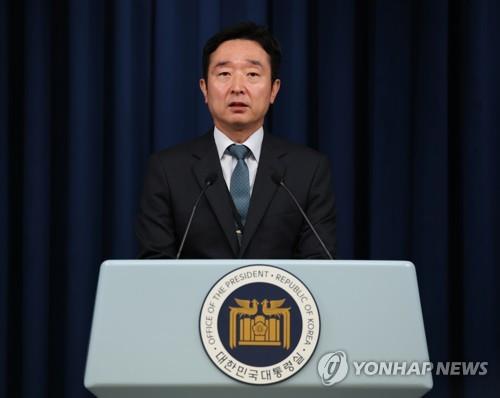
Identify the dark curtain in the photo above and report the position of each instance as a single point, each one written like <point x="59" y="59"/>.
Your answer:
<point x="402" y="95"/>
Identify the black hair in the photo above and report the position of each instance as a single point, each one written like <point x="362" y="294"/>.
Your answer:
<point x="245" y="31"/>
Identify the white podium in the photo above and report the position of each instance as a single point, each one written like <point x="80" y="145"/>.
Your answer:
<point x="145" y="338"/>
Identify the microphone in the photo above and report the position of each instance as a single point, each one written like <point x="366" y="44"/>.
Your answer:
<point x="278" y="180"/>
<point x="209" y="181"/>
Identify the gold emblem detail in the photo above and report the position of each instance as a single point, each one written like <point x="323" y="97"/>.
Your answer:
<point x="268" y="327"/>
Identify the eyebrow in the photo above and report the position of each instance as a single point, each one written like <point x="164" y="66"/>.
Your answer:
<point x="255" y="62"/>
<point x="221" y="63"/>
<point x="250" y="61"/>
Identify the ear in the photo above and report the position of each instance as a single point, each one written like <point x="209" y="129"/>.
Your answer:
<point x="203" y="88"/>
<point x="274" y="90"/>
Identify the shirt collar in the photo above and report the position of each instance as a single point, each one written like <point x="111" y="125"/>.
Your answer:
<point x="254" y="142"/>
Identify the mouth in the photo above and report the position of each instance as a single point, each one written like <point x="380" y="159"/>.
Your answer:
<point x="238" y="105"/>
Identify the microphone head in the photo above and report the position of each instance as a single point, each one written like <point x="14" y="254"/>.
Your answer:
<point x="277" y="178"/>
<point x="211" y="178"/>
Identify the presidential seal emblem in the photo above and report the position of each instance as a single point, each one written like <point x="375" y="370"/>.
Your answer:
<point x="259" y="324"/>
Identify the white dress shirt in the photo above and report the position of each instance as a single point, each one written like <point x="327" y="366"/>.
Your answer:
<point x="228" y="162"/>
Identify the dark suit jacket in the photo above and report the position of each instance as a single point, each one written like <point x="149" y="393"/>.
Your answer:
<point x="274" y="228"/>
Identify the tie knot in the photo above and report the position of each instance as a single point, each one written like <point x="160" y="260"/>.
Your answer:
<point x="238" y="151"/>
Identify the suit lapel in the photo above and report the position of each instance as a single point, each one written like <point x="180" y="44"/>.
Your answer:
<point x="264" y="187"/>
<point x="217" y="195"/>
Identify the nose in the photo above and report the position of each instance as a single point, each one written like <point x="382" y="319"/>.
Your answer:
<point x="238" y="84"/>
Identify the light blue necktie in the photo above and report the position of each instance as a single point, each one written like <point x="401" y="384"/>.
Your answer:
<point x="240" y="180"/>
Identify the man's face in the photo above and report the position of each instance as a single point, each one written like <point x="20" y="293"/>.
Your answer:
<point x="238" y="90"/>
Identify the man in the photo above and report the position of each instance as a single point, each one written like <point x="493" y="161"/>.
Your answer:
<point x="244" y="213"/>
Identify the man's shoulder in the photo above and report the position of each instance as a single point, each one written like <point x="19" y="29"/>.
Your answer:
<point x="198" y="146"/>
<point x="294" y="149"/>
<point x="186" y="149"/>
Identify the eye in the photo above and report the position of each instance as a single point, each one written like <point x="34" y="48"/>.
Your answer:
<point x="253" y="74"/>
<point x="225" y="73"/>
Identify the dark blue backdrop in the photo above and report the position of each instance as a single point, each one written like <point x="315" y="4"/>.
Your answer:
<point x="402" y="95"/>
